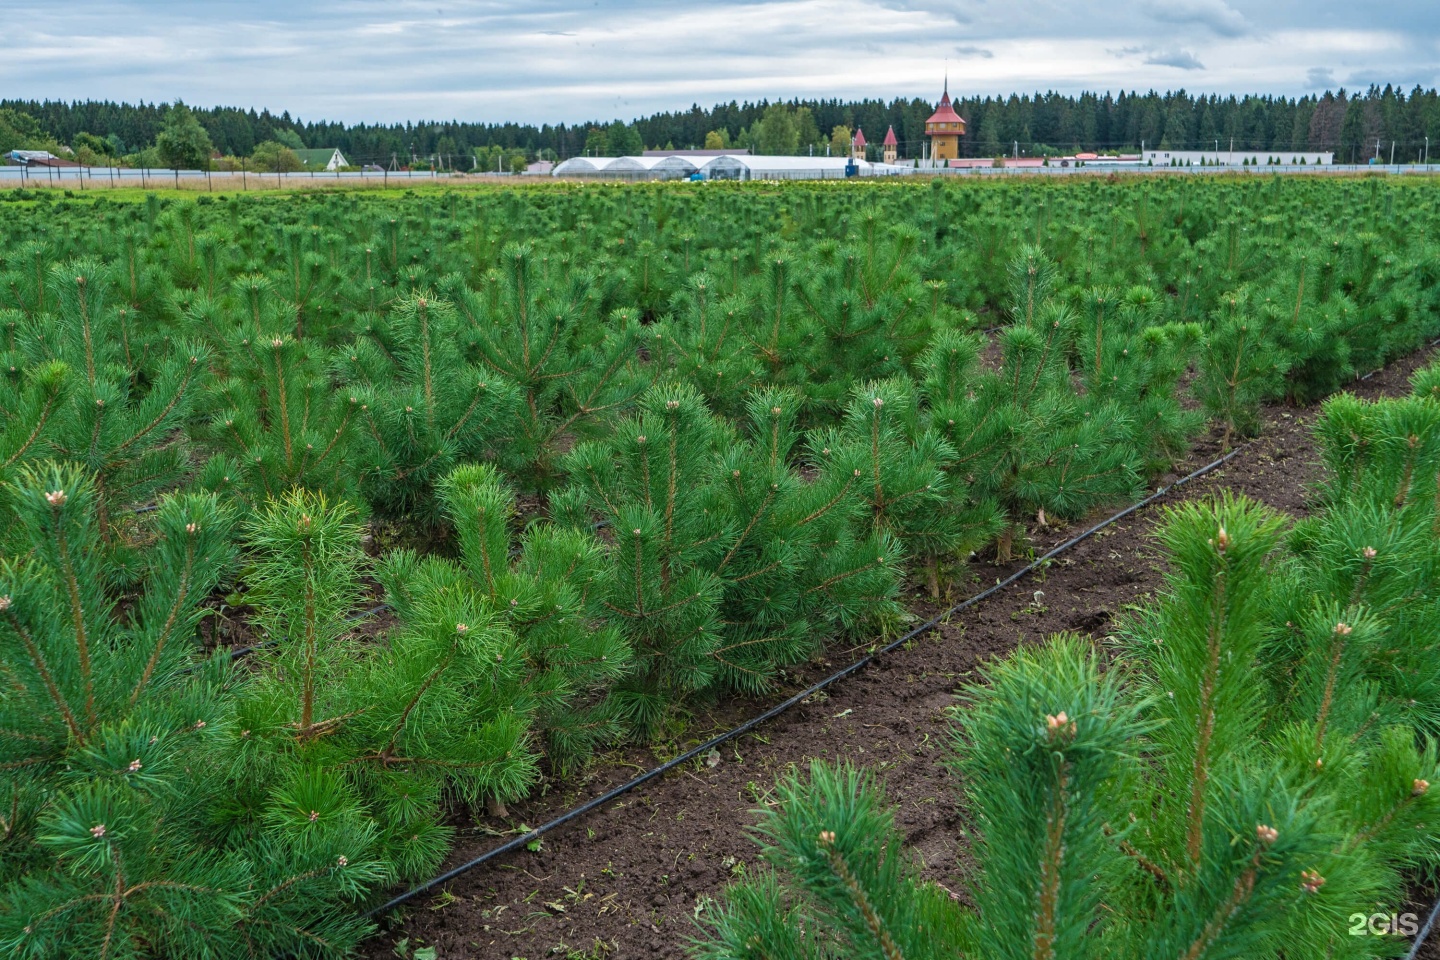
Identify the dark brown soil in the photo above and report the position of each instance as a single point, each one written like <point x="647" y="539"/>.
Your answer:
<point x="629" y="880"/>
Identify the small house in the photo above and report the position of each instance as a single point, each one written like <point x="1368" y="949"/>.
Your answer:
<point x="328" y="159"/>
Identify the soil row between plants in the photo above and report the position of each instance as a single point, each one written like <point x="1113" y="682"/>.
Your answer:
<point x="638" y="884"/>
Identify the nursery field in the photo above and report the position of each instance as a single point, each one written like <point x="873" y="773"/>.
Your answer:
<point x="349" y="535"/>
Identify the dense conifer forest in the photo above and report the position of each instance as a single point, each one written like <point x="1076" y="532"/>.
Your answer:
<point x="1346" y="122"/>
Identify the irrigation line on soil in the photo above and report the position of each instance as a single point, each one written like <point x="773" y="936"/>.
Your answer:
<point x="798" y="698"/>
<point x="1424" y="932"/>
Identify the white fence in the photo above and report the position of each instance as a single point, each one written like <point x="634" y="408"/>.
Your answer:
<point x="81" y="178"/>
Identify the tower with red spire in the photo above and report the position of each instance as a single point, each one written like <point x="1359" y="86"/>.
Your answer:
<point x="945" y="128"/>
<point x="857" y="145"/>
<point x="891" y="145"/>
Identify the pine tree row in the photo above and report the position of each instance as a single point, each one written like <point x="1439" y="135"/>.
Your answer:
<point x="1252" y="767"/>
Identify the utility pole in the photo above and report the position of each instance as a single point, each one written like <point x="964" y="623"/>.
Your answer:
<point x="1377" y="148"/>
<point x="1392" y="153"/>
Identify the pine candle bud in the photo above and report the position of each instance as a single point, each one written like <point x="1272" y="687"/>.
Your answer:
<point x="135" y="765"/>
<point x="192" y="528"/>
<point x="1222" y="540"/>
<point x="1368" y="553"/>
<point x="879" y="403"/>
<point x="827" y="837"/>
<point x="1059" y="725"/>
<point x="461" y="628"/>
<point x="1419" y="788"/>
<point x="1342" y="629"/>
<point x="56" y="498"/>
<point x="97" y="831"/>
<point x="1266" y="834"/>
<point x="5" y="602"/>
<point x="341" y="861"/>
<point x="1311" y="881"/>
<point x="314" y="815"/>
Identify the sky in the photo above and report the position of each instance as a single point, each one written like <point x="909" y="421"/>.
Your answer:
<point x="550" y="61"/>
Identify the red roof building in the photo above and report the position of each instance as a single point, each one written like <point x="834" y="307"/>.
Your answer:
<point x="891" y="146"/>
<point x="945" y="128"/>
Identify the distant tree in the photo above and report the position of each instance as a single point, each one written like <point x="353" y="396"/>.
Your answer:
<point x="1352" y="132"/>
<point x="624" y="140"/>
<point x="775" y="134"/>
<point x="989" y="135"/>
<point x="19" y="131"/>
<point x="717" y="139"/>
<point x="274" y="157"/>
<point x="97" y="146"/>
<point x="288" y="137"/>
<point x="447" y="152"/>
<point x="807" y="132"/>
<point x="840" y="138"/>
<point x="183" y="143"/>
<point x="597" y="143"/>
<point x="498" y="160"/>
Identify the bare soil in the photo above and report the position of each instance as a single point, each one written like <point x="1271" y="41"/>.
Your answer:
<point x="630" y="879"/>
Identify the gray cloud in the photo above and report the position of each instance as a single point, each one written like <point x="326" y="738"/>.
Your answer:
<point x="1216" y="15"/>
<point x="1180" y="59"/>
<point x="570" y="60"/>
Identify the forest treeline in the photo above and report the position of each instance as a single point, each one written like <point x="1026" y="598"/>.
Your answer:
<point x="1353" y="124"/>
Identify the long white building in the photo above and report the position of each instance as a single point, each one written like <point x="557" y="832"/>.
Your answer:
<point x="1236" y="158"/>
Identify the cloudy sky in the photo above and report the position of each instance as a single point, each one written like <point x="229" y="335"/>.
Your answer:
<point x="567" y="60"/>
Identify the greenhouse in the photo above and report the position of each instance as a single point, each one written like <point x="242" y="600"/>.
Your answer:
<point x="795" y="168"/>
<point x="726" y="167"/>
<point x="582" y="167"/>
<point x="650" y="168"/>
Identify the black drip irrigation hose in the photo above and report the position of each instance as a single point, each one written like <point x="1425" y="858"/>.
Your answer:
<point x="798" y="698"/>
<point x="1424" y="932"/>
